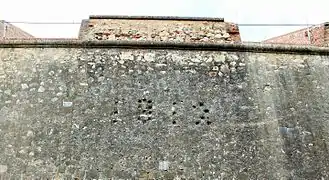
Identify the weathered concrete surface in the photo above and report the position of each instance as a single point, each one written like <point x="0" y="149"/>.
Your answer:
<point x="89" y="113"/>
<point x="168" y="29"/>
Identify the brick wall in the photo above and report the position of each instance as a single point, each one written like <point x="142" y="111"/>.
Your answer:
<point x="301" y="37"/>
<point x="326" y="34"/>
<point x="13" y="32"/>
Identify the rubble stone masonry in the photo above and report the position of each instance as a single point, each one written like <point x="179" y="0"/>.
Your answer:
<point x="70" y="110"/>
<point x="211" y="30"/>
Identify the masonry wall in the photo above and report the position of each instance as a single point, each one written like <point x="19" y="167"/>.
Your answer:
<point x="301" y="37"/>
<point x="79" y="112"/>
<point x="159" y="29"/>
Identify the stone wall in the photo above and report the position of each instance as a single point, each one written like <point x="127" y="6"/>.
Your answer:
<point x="79" y="111"/>
<point x="159" y="29"/>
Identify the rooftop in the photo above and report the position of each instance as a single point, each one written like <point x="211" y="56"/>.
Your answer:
<point x="8" y="30"/>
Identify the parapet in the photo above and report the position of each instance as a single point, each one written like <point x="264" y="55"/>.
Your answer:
<point x="159" y="28"/>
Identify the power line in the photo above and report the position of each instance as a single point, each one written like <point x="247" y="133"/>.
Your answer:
<point x="239" y="24"/>
<point x="30" y="22"/>
<point x="277" y="24"/>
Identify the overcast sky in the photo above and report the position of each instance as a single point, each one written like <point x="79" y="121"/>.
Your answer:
<point x="238" y="11"/>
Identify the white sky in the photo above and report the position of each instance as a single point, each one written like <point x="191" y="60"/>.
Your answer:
<point x="238" y="11"/>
